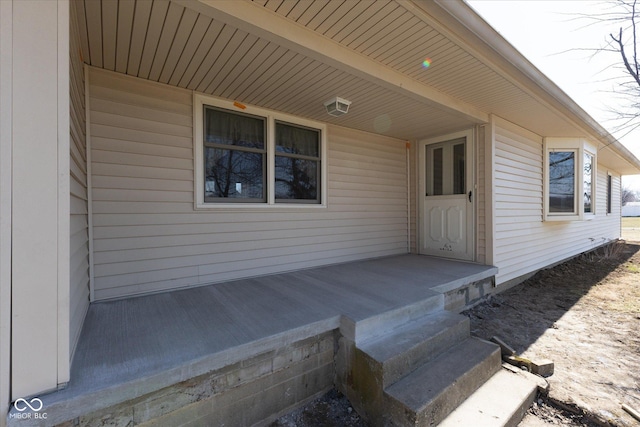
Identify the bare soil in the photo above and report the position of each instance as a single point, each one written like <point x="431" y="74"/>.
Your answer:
<point x="583" y="314"/>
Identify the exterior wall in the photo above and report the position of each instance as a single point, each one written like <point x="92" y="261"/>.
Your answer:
<point x="631" y="209"/>
<point x="148" y="237"/>
<point x="6" y="141"/>
<point x="78" y="228"/>
<point x="523" y="242"/>
<point x="40" y="215"/>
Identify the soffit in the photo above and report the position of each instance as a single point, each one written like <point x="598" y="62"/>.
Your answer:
<point x="166" y="42"/>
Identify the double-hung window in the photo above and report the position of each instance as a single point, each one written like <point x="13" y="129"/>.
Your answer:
<point x="297" y="164"/>
<point x="235" y="156"/>
<point x="248" y="156"/>
<point x="569" y="179"/>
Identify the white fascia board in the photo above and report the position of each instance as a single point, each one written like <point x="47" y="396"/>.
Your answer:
<point x="272" y="27"/>
<point x="500" y="55"/>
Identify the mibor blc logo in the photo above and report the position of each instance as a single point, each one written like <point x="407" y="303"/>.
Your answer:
<point x="28" y="409"/>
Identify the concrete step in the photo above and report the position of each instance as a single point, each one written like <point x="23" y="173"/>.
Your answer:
<point x="382" y="324"/>
<point x="427" y="395"/>
<point x="500" y="402"/>
<point x="394" y="355"/>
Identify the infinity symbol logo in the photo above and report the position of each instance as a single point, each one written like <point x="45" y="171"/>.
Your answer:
<point x="37" y="404"/>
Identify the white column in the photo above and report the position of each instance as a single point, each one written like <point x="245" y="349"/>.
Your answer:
<point x="40" y="197"/>
<point x="5" y="204"/>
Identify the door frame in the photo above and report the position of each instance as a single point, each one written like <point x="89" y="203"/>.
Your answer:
<point x="470" y="185"/>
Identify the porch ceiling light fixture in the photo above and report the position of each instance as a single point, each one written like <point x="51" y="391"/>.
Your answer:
<point x="337" y="106"/>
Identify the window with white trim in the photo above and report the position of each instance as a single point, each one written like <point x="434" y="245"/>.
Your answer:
<point x="247" y="156"/>
<point x="609" y="193"/>
<point x="569" y="179"/>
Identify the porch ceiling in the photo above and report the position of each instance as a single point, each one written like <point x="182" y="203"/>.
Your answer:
<point x="292" y="55"/>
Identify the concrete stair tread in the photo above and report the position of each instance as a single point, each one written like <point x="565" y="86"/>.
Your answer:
<point x="428" y="394"/>
<point x="407" y="336"/>
<point x="413" y="344"/>
<point x="373" y="327"/>
<point x="501" y="401"/>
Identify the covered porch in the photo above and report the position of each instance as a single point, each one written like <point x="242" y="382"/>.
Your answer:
<point x="131" y="349"/>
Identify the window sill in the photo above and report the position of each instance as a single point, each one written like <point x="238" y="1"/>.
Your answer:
<point x="257" y="206"/>
<point x="567" y="218"/>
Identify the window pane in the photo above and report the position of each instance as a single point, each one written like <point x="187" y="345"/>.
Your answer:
<point x="228" y="128"/>
<point x="458" y="169"/>
<point x="562" y="182"/>
<point x="297" y="140"/>
<point x="609" y="194"/>
<point x="296" y="179"/>
<point x="438" y="172"/>
<point x="588" y="182"/>
<point x="233" y="174"/>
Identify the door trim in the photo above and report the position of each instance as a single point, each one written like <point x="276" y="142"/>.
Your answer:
<point x="470" y="153"/>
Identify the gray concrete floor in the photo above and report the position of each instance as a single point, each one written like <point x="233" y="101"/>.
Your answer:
<point x="134" y="346"/>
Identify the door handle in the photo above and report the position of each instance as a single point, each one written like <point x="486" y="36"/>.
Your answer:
<point x="470" y="194"/>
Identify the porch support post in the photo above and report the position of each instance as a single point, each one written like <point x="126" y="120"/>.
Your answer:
<point x="40" y="202"/>
<point x="490" y="205"/>
<point x="5" y="205"/>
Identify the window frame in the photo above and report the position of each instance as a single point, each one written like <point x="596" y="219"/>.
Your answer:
<point x="609" y="193"/>
<point x="581" y="148"/>
<point x="271" y="117"/>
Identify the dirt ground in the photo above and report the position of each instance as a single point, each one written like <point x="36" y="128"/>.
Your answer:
<point x="584" y="315"/>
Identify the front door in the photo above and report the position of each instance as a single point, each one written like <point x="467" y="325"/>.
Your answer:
<point x="447" y="196"/>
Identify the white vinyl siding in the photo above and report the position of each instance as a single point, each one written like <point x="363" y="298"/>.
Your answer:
<point x="79" y="235"/>
<point x="149" y="238"/>
<point x="523" y="242"/>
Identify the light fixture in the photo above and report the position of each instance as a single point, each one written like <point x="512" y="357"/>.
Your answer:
<point x="337" y="106"/>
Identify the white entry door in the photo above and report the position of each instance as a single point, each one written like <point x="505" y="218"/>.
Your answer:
<point x="447" y="209"/>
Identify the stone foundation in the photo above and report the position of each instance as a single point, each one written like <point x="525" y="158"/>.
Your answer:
<point x="467" y="296"/>
<point x="256" y="390"/>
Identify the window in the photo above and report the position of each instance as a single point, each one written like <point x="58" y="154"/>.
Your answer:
<point x="588" y="168"/>
<point x="251" y="157"/>
<point x="297" y="171"/>
<point x="609" y="193"/>
<point x="562" y="182"/>
<point x="570" y="167"/>
<point x="445" y="166"/>
<point x="234" y="156"/>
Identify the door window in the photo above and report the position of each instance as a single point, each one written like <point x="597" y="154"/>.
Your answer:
<point x="445" y="168"/>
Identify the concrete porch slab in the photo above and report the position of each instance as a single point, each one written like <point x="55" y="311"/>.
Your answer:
<point x="135" y="346"/>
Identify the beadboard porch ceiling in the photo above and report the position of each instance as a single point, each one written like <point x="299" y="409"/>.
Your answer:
<point x="292" y="55"/>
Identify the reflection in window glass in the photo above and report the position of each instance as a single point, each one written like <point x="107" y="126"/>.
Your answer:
<point x="562" y="182"/>
<point x="438" y="172"/>
<point x="297" y="164"/>
<point x="233" y="174"/>
<point x="458" y="169"/>
<point x="588" y="182"/>
<point x="609" y="194"/>
<point x="234" y="156"/>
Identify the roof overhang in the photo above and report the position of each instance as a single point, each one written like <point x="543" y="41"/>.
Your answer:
<point x="292" y="56"/>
